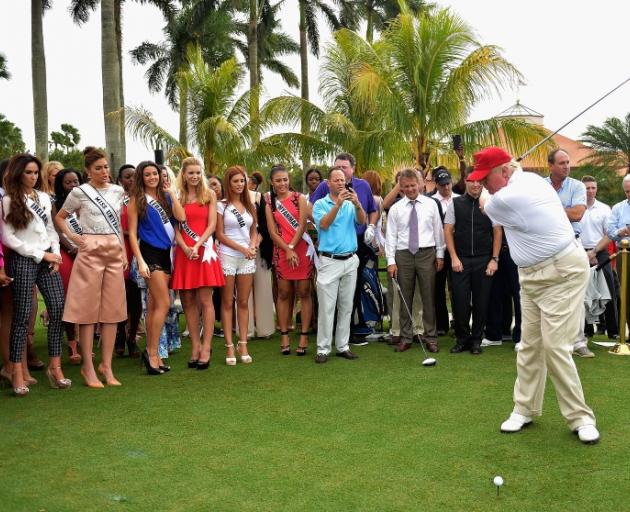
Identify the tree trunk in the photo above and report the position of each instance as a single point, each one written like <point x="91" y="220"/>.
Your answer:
<point x="183" y="114"/>
<point x="252" y="37"/>
<point x="121" y="93"/>
<point x="369" y="31"/>
<point x="305" y="127"/>
<point x="110" y="71"/>
<point x="38" y="70"/>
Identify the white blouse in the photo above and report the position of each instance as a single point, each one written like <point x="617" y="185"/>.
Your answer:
<point x="36" y="238"/>
<point x="93" y="222"/>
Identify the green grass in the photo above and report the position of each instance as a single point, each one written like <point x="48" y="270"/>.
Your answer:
<point x="380" y="433"/>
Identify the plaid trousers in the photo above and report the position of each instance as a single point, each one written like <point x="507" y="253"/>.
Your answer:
<point x="26" y="273"/>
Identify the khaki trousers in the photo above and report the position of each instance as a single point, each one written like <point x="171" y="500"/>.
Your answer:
<point x="552" y="300"/>
<point x="417" y="268"/>
<point x="416" y="309"/>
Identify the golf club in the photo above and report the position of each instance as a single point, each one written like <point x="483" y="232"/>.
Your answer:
<point x="428" y="361"/>
<point x="571" y="120"/>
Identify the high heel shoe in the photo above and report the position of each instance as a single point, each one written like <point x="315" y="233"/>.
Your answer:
<point x="75" y="357"/>
<point x="94" y="385"/>
<point x="147" y="365"/>
<point x="247" y="359"/>
<point x="285" y="350"/>
<point x="110" y="380"/>
<point x="230" y="361"/>
<point x="57" y="383"/>
<point x="20" y="391"/>
<point x="203" y="365"/>
<point x="192" y="363"/>
<point x="165" y="368"/>
<point x="301" y="350"/>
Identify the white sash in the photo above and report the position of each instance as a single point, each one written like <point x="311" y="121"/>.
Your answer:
<point x="166" y="222"/>
<point x="40" y="213"/>
<point x="310" y="252"/>
<point x="241" y="221"/>
<point x="73" y="221"/>
<point x="105" y="208"/>
<point x="209" y="253"/>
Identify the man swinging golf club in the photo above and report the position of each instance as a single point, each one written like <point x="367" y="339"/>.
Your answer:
<point x="553" y="271"/>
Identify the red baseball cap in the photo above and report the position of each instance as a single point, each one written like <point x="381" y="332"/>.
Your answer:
<point x="486" y="160"/>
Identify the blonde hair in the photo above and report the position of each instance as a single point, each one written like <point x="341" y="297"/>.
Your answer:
<point x="46" y="170"/>
<point x="205" y="194"/>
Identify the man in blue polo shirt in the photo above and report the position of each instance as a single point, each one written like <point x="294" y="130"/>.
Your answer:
<point x="364" y="234"/>
<point x="572" y="194"/>
<point x="336" y="216"/>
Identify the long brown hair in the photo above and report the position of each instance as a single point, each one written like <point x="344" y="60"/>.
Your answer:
<point x="229" y="196"/>
<point x="138" y="191"/>
<point x="19" y="215"/>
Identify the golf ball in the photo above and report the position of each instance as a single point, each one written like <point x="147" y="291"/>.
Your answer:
<point x="498" y="481"/>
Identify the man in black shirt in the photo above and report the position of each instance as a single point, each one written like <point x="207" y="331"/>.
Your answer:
<point x="474" y="245"/>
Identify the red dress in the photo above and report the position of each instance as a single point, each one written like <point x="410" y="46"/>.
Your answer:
<point x="192" y="274"/>
<point x="304" y="268"/>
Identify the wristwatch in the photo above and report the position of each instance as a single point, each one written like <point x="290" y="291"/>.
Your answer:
<point x="495" y="258"/>
<point x="291" y="246"/>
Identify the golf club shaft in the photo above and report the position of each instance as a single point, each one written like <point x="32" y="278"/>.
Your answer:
<point x="570" y="121"/>
<point x="413" y="326"/>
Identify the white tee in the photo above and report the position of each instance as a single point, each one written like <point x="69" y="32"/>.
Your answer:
<point x="535" y="223"/>
<point x="233" y="230"/>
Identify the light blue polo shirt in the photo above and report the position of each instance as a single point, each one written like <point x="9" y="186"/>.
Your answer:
<point x="619" y="218"/>
<point x="341" y="235"/>
<point x="572" y="192"/>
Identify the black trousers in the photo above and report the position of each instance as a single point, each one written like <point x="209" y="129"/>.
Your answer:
<point x="611" y="315"/>
<point x="505" y="295"/>
<point x="442" y="279"/>
<point x="471" y="294"/>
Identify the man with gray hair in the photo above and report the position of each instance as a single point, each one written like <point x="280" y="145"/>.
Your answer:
<point x="619" y="225"/>
<point x="553" y="272"/>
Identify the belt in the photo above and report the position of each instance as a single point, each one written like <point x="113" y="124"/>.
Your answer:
<point x="337" y="256"/>
<point x="569" y="248"/>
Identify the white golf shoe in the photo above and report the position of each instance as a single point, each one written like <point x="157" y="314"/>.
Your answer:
<point x="515" y="423"/>
<point x="588" y="434"/>
<point x="491" y="343"/>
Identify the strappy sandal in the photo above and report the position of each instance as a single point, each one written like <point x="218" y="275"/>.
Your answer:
<point x="244" y="358"/>
<point x="230" y="361"/>
<point x="301" y="350"/>
<point x="285" y="350"/>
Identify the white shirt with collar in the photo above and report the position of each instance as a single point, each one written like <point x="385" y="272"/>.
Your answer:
<point x="35" y="238"/>
<point x="535" y="223"/>
<point x="445" y="201"/>
<point x="430" y="232"/>
<point x="594" y="224"/>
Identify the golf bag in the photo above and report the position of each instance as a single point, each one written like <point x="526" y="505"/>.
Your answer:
<point x="371" y="307"/>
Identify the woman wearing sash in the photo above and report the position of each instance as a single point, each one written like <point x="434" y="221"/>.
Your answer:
<point x="286" y="218"/>
<point x="65" y="181"/>
<point x="197" y="268"/>
<point x="236" y="232"/>
<point x="34" y="260"/>
<point x="96" y="291"/>
<point x="151" y="235"/>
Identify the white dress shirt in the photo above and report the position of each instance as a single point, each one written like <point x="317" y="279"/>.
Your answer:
<point x="535" y="223"/>
<point x="430" y="232"/>
<point x="35" y="238"/>
<point x="594" y="224"/>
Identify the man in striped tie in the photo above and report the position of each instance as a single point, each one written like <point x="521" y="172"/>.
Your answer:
<point x="415" y="251"/>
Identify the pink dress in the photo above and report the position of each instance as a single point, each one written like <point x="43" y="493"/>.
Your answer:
<point x="304" y="268"/>
<point x="192" y="274"/>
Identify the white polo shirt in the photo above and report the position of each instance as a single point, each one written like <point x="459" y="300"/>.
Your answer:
<point x="535" y="223"/>
<point x="594" y="224"/>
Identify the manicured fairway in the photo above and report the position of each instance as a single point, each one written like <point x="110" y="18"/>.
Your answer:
<point x="379" y="433"/>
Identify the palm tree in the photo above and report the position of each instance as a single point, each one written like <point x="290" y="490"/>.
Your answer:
<point x="38" y="70"/>
<point x="111" y="24"/>
<point x="610" y="143"/>
<point x="4" y="71"/>
<point x="208" y="24"/>
<point x="379" y="13"/>
<point x="219" y="121"/>
<point x="427" y="72"/>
